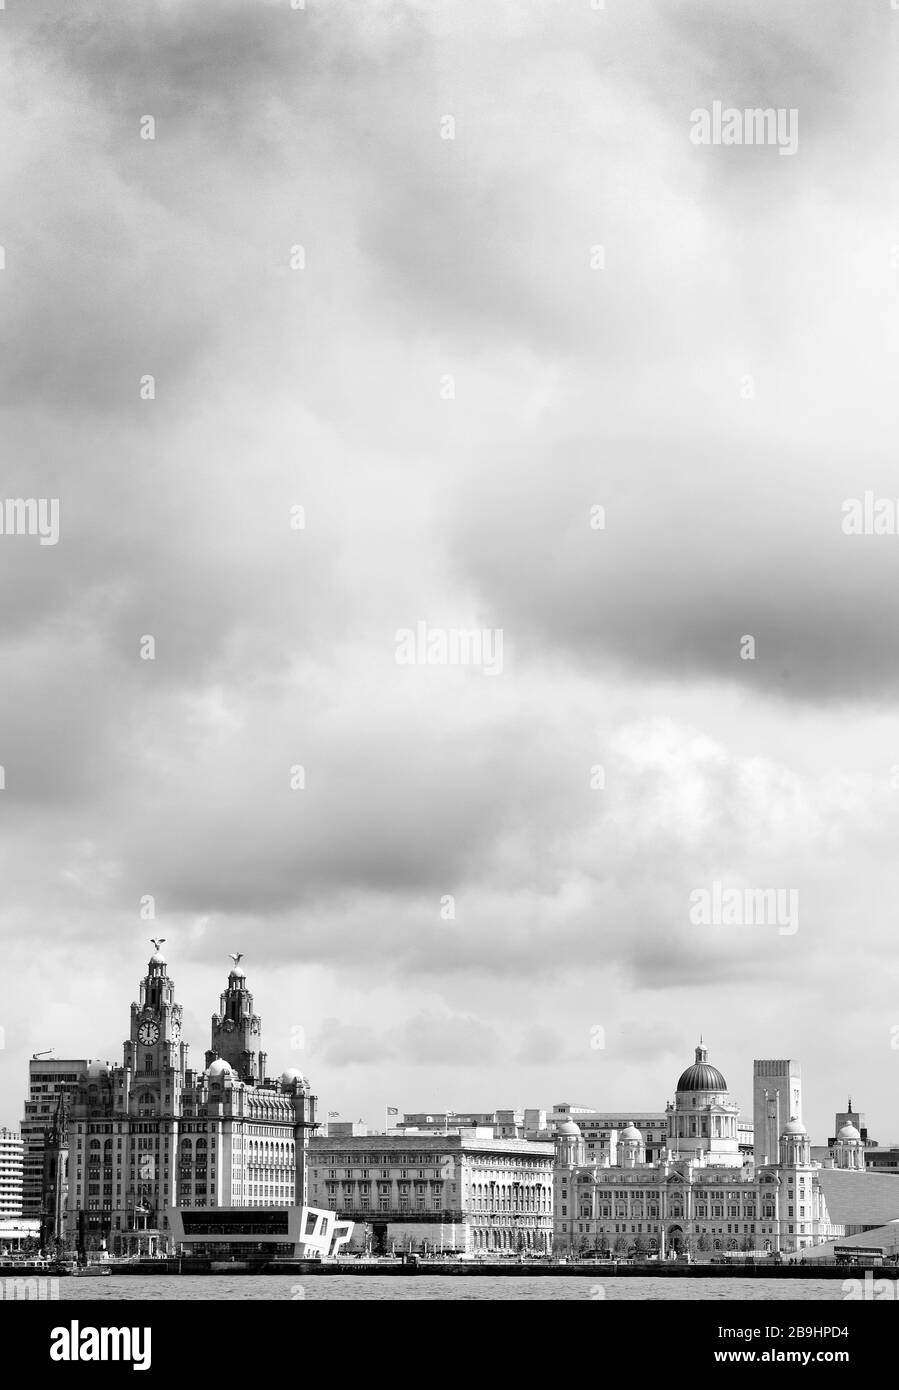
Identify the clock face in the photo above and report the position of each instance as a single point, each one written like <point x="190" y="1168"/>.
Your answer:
<point x="148" y="1033"/>
<point x="176" y="1030"/>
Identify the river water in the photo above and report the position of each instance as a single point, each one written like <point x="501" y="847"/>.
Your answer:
<point x="459" y="1288"/>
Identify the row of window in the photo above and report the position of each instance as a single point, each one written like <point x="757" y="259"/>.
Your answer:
<point x="638" y="1227"/>
<point x="385" y="1204"/>
<point x="526" y="1166"/>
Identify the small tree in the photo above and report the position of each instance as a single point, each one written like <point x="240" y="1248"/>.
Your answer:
<point x="705" y="1242"/>
<point x="603" y="1244"/>
<point x="747" y="1244"/>
<point x="642" y="1246"/>
<point x="620" y="1245"/>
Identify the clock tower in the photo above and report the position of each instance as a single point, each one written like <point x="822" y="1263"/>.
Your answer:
<point x="155" y="1056"/>
<point x="237" y="1030"/>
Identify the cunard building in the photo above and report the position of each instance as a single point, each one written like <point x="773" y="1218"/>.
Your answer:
<point x="156" y="1136"/>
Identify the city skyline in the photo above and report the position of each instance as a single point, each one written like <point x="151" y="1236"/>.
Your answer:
<point x="294" y="1056"/>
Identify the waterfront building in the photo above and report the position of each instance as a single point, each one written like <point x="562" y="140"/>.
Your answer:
<point x="848" y="1149"/>
<point x="601" y="1127"/>
<point x="235" y="1233"/>
<point x="850" y="1124"/>
<point x="154" y="1134"/>
<point x="776" y="1099"/>
<point x="433" y="1191"/>
<point x="704" y="1192"/>
<point x="237" y="1030"/>
<point x="11" y="1169"/>
<point x="17" y="1231"/>
<point x="856" y="1120"/>
<point x="882" y="1160"/>
<point x="48" y="1079"/>
<point x="501" y="1124"/>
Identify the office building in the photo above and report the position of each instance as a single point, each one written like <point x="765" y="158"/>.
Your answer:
<point x="437" y="1191"/>
<point x="500" y="1124"/>
<point x="703" y="1194"/>
<point x="48" y="1078"/>
<point x="11" y="1170"/>
<point x="776" y="1099"/>
<point x="154" y="1133"/>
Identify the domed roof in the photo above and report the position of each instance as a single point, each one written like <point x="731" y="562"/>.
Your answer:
<point x="158" y="958"/>
<point x="849" y="1132"/>
<point x="795" y="1127"/>
<point x="291" y="1075"/>
<point x="237" y="972"/>
<point x="630" y="1135"/>
<point x="568" y="1127"/>
<point x="702" y="1076"/>
<point x="219" y="1070"/>
<point x="97" y="1069"/>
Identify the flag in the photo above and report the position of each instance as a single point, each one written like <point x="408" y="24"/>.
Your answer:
<point x="392" y="1110"/>
<point x="332" y="1114"/>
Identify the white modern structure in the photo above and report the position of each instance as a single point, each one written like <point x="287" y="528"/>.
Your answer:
<point x="299" y="1233"/>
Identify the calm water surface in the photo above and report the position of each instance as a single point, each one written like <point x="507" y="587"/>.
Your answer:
<point x="461" y="1288"/>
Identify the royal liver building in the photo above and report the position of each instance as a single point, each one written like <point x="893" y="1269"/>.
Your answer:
<point x="155" y="1134"/>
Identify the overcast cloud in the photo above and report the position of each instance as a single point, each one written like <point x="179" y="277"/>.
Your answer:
<point x="623" y="387"/>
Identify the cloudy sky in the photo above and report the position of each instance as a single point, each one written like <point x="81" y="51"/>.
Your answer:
<point x="451" y="383"/>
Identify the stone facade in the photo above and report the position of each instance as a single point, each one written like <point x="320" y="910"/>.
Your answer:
<point x="153" y="1134"/>
<point x="703" y="1194"/>
<point x="448" y="1191"/>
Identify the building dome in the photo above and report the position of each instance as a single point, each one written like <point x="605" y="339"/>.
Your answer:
<point x="702" y="1076"/>
<point x="291" y="1075"/>
<point x="849" y="1132"/>
<point x="630" y="1135"/>
<point x="795" y="1127"/>
<point x="97" y="1070"/>
<point x="237" y="972"/>
<point x="219" y="1070"/>
<point x="158" y="958"/>
<point x="568" y="1127"/>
